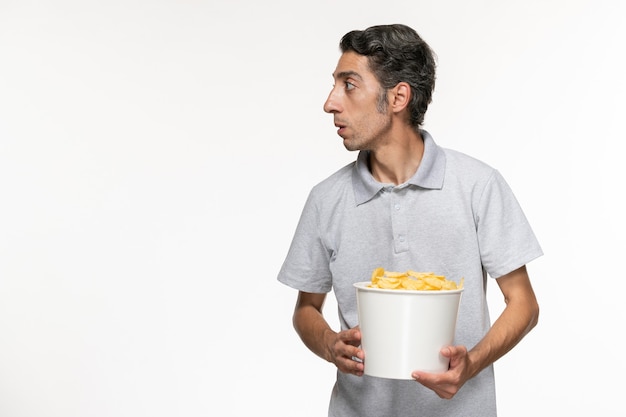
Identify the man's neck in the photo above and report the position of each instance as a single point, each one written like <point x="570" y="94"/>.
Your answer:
<point x="397" y="161"/>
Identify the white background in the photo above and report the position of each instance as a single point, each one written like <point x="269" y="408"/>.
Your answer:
<point x="155" y="156"/>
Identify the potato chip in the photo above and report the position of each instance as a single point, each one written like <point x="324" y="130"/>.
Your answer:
<point x="389" y="283"/>
<point x="392" y="274"/>
<point x="378" y="272"/>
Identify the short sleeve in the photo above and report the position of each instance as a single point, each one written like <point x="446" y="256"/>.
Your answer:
<point x="307" y="265"/>
<point x="505" y="237"/>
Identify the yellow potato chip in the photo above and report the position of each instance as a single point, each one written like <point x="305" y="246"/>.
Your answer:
<point x="378" y="272"/>
<point x="389" y="283"/>
<point x="433" y="282"/>
<point x="413" y="284"/>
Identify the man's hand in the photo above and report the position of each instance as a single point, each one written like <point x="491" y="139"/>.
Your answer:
<point x="344" y="352"/>
<point x="447" y="384"/>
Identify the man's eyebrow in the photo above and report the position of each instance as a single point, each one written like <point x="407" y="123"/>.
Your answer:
<point x="347" y="74"/>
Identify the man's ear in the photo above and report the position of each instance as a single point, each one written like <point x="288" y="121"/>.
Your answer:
<point x="401" y="96"/>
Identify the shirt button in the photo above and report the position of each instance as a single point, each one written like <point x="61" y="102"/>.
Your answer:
<point x="397" y="207"/>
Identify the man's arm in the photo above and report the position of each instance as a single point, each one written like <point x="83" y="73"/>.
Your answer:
<point x="339" y="348"/>
<point x="517" y="319"/>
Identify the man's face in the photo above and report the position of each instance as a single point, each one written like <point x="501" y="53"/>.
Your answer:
<point x="360" y="112"/>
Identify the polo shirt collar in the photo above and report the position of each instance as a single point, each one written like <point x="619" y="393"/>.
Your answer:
<point x="429" y="174"/>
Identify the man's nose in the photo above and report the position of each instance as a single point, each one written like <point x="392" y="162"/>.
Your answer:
<point x="332" y="103"/>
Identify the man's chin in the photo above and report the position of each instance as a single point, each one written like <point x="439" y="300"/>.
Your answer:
<point x="350" y="146"/>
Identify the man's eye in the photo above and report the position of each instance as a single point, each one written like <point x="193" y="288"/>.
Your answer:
<point x="349" y="85"/>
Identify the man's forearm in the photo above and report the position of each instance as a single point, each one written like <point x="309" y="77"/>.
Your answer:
<point x="313" y="330"/>
<point x="515" y="322"/>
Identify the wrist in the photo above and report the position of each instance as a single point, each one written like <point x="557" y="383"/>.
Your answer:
<point x="328" y="340"/>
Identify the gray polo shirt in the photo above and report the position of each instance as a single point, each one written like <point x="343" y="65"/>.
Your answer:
<point x="456" y="217"/>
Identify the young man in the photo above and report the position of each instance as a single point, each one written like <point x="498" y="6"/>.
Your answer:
<point x="407" y="204"/>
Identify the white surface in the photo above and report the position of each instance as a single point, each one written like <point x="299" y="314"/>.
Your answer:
<point x="153" y="153"/>
<point x="404" y="331"/>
